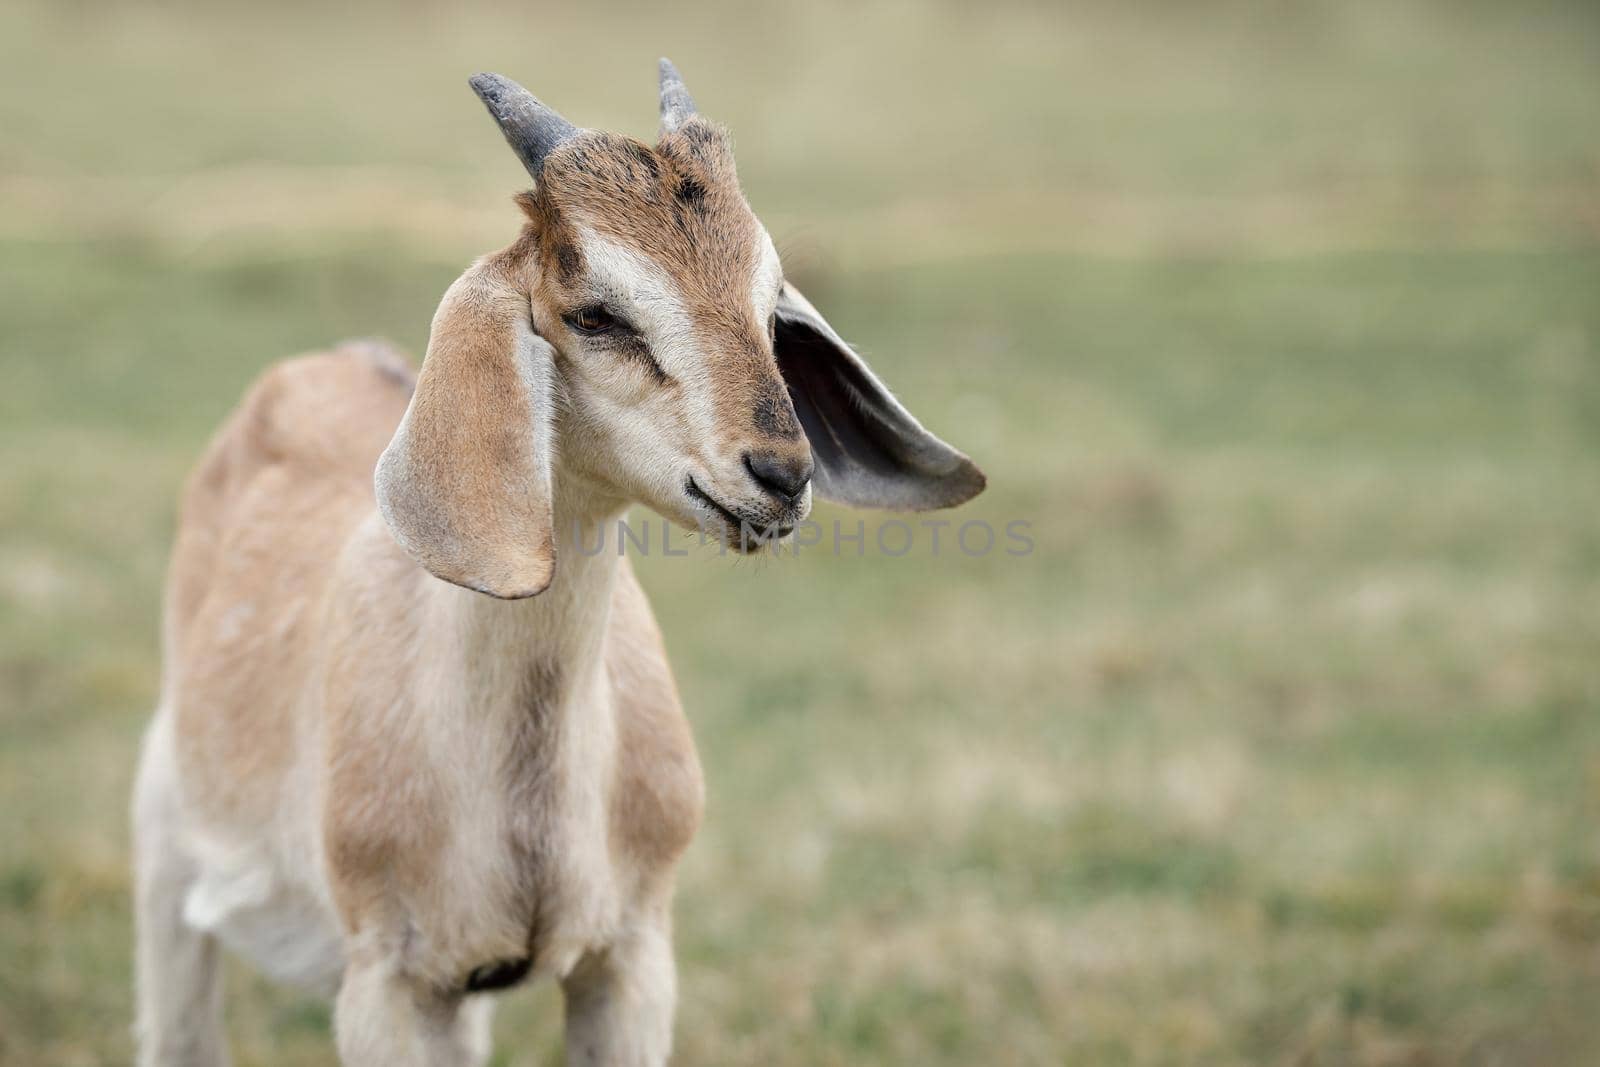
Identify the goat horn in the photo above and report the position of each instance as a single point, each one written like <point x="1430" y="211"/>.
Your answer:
<point x="677" y="106"/>
<point x="532" y="130"/>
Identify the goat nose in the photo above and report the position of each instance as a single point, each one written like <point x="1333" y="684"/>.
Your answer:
<point x="783" y="475"/>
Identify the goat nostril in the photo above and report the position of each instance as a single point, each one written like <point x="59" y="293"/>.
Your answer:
<point x="786" y="476"/>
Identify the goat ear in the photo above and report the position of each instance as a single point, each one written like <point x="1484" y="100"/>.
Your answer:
<point x="465" y="484"/>
<point x="869" y="451"/>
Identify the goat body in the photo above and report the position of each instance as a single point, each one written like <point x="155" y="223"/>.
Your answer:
<point x="358" y="768"/>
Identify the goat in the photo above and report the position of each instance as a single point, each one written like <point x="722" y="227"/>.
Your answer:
<point x="397" y="757"/>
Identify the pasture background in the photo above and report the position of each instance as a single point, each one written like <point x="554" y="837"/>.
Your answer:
<point x="1279" y="321"/>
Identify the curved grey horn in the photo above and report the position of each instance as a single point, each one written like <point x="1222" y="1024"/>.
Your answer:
<point x="677" y="106"/>
<point x="532" y="130"/>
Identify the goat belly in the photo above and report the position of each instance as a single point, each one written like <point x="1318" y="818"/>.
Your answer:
<point x="282" y="931"/>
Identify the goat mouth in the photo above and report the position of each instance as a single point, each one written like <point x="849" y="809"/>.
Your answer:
<point x="749" y="535"/>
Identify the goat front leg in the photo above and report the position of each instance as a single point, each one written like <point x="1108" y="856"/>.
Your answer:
<point x="383" y="1019"/>
<point x="619" y="1002"/>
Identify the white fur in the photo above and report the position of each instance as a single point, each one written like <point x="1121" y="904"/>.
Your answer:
<point x="767" y="285"/>
<point x="648" y="295"/>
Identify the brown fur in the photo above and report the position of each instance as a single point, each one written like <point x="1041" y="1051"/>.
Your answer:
<point x="679" y="205"/>
<point x="262" y="521"/>
<point x="471" y="434"/>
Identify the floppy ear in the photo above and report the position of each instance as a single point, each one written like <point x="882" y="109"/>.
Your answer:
<point x="869" y="451"/>
<point x="465" y="483"/>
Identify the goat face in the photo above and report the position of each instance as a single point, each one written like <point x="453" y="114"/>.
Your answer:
<point x="659" y="290"/>
<point x="641" y="330"/>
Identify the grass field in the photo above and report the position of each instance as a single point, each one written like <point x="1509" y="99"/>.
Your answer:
<point x="1280" y="324"/>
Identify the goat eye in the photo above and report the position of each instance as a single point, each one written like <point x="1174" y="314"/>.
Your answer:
<point x="592" y="319"/>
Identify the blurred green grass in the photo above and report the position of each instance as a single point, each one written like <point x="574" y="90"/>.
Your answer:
<point x="1279" y="322"/>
